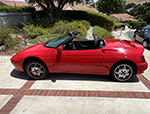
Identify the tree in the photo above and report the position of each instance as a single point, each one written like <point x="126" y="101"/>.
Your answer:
<point x="143" y="13"/>
<point x="53" y="8"/>
<point x="110" y="6"/>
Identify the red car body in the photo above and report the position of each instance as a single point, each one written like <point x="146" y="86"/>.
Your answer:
<point x="90" y="61"/>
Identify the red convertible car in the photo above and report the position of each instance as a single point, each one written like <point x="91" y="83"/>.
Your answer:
<point x="122" y="59"/>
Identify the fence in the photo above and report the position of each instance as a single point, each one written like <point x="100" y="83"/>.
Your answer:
<point x="14" y="18"/>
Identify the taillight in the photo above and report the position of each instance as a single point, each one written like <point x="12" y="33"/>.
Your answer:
<point x="143" y="59"/>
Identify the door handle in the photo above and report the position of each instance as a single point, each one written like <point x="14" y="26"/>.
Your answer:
<point x="97" y="55"/>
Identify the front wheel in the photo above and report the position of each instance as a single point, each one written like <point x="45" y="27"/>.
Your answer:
<point x="36" y="70"/>
<point x="123" y="72"/>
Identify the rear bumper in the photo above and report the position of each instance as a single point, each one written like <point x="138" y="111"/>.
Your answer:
<point x="142" y="67"/>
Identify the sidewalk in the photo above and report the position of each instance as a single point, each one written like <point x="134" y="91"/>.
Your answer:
<point x="146" y="53"/>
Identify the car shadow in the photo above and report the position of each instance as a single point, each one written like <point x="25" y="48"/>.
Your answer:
<point x="74" y="77"/>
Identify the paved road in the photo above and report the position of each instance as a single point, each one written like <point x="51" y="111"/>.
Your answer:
<point x="70" y="93"/>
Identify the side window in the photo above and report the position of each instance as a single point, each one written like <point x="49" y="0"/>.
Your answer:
<point x="147" y="31"/>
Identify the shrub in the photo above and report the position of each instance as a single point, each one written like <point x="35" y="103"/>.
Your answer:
<point x="85" y="23"/>
<point x="44" y="38"/>
<point x="16" y="9"/>
<point x="94" y="18"/>
<point x="11" y="42"/>
<point x="6" y="39"/>
<point x="118" y="25"/>
<point x="137" y="24"/>
<point x="4" y="33"/>
<point x="59" y="27"/>
<point x="101" y="33"/>
<point x="80" y="26"/>
<point x="35" y="31"/>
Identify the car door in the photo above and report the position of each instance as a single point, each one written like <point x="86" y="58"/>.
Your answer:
<point x="138" y="34"/>
<point x="141" y="35"/>
<point x="77" y="61"/>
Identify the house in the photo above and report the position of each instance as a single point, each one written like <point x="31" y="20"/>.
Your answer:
<point x="123" y="17"/>
<point x="68" y="7"/>
<point x="21" y="3"/>
<point x="13" y="3"/>
<point x="79" y="6"/>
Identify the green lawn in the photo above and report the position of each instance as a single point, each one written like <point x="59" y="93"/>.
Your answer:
<point x="148" y="25"/>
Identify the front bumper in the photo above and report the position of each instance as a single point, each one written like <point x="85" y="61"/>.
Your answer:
<point x="18" y="63"/>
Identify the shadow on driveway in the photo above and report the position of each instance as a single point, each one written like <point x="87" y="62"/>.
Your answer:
<point x="74" y="77"/>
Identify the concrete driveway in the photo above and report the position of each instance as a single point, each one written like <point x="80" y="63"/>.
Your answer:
<point x="70" y="93"/>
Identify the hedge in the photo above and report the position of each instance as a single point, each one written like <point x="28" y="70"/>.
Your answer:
<point x="94" y="18"/>
<point x="16" y="9"/>
<point x="101" y="33"/>
<point x="137" y="24"/>
<point x="118" y="25"/>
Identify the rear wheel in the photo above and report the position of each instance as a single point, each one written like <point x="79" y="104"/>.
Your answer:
<point x="123" y="72"/>
<point x="36" y="70"/>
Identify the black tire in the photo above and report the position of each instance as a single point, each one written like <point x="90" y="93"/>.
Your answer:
<point x="36" y="70"/>
<point x="122" y="72"/>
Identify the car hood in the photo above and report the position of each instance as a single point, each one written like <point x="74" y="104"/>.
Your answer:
<point x="124" y="46"/>
<point x="35" y="51"/>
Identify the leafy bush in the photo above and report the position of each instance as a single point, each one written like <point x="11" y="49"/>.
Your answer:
<point x="44" y="38"/>
<point x="118" y="25"/>
<point x="4" y="33"/>
<point x="6" y="39"/>
<point x="94" y="18"/>
<point x="101" y="33"/>
<point x="61" y="27"/>
<point x="11" y="42"/>
<point x="85" y="23"/>
<point x="80" y="26"/>
<point x="35" y="31"/>
<point x="16" y="9"/>
<point x="137" y="24"/>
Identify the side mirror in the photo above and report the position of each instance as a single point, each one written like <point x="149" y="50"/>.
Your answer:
<point x="60" y="48"/>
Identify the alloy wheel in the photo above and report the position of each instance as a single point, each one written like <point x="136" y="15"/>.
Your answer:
<point x="36" y="70"/>
<point x="123" y="72"/>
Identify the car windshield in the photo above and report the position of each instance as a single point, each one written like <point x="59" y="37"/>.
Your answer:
<point x="147" y="31"/>
<point x="58" y="41"/>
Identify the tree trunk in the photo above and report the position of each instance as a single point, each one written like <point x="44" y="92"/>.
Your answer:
<point x="54" y="13"/>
